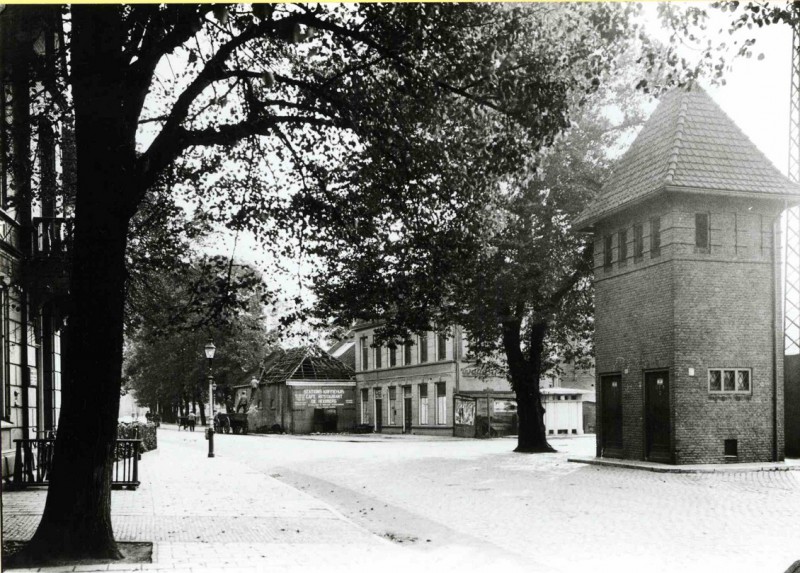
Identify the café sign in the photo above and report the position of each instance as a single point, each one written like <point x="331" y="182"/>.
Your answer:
<point x="316" y="397"/>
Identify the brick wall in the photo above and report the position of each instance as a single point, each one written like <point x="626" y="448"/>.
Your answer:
<point x="693" y="308"/>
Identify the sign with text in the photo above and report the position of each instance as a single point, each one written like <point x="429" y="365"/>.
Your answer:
<point x="318" y="397"/>
<point x="483" y="371"/>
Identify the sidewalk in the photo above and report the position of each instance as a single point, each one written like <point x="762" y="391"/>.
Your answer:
<point x="216" y="514"/>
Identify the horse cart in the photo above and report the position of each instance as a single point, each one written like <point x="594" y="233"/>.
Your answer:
<point x="230" y="423"/>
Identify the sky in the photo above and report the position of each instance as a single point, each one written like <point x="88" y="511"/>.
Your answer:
<point x="755" y="96"/>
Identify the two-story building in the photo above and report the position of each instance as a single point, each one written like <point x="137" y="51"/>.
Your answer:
<point x="428" y="384"/>
<point x="422" y="385"/>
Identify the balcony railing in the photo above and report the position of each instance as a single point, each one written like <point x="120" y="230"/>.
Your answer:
<point x="52" y="236"/>
<point x="35" y="461"/>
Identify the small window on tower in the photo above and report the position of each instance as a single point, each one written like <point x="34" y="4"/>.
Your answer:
<point x="638" y="242"/>
<point x="655" y="237"/>
<point x="608" y="254"/>
<point x="701" y="241"/>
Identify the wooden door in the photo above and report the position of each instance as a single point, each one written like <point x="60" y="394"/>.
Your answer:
<point x="407" y="409"/>
<point x="378" y="414"/>
<point x="657" y="424"/>
<point x="611" y="415"/>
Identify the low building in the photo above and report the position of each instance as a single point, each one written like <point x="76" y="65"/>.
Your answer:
<point x="581" y="380"/>
<point x="301" y="390"/>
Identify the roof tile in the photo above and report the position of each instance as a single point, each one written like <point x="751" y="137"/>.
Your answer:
<point x="687" y="142"/>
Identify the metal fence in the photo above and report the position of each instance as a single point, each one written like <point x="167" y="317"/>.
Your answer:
<point x="34" y="463"/>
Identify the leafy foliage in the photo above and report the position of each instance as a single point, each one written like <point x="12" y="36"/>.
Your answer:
<point x="165" y="362"/>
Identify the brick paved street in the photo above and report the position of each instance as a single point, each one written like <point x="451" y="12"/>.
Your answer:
<point x="348" y="503"/>
<point x="567" y="516"/>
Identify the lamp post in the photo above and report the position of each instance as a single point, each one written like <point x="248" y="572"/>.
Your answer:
<point x="210" y="350"/>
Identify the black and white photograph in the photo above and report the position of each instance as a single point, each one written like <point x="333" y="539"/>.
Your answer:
<point x="404" y="286"/>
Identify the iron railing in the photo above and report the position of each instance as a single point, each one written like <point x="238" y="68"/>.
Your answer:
<point x="35" y="460"/>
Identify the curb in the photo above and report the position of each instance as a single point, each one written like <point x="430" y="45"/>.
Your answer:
<point x="688" y="469"/>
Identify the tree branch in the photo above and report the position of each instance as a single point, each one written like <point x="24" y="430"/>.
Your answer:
<point x="231" y="133"/>
<point x="586" y="260"/>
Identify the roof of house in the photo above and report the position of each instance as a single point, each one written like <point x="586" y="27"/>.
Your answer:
<point x="688" y="144"/>
<point x="304" y="363"/>
<point x="346" y="354"/>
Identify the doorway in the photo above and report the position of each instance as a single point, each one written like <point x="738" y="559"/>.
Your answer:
<point x="657" y="426"/>
<point x="611" y="415"/>
<point x="406" y="409"/>
<point x="378" y="414"/>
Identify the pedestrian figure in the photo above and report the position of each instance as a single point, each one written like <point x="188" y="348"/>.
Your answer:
<point x="191" y="418"/>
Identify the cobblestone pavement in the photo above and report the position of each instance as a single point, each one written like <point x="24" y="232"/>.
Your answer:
<point x="221" y="514"/>
<point x="337" y="503"/>
<point x="541" y="508"/>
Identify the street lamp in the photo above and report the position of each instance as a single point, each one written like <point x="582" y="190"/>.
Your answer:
<point x="210" y="350"/>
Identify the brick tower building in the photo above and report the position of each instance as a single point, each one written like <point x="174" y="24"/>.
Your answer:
<point x="689" y="341"/>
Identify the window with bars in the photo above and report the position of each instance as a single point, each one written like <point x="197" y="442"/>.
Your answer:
<point x="729" y="380"/>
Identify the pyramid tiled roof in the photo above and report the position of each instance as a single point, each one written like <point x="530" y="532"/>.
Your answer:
<point x="689" y="144"/>
<point x="309" y="363"/>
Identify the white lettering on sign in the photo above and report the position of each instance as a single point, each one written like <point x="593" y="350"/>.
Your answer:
<point x="323" y="397"/>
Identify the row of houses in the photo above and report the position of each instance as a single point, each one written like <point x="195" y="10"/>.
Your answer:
<point x="427" y="385"/>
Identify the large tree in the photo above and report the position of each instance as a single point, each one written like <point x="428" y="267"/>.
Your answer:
<point x="518" y="282"/>
<point x="278" y="115"/>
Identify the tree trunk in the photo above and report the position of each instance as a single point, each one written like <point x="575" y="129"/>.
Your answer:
<point x="532" y="437"/>
<point x="202" y="414"/>
<point x="77" y="517"/>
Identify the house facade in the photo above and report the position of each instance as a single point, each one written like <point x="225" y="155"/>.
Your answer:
<point x="34" y="251"/>
<point x="688" y="325"/>
<point x="413" y="386"/>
